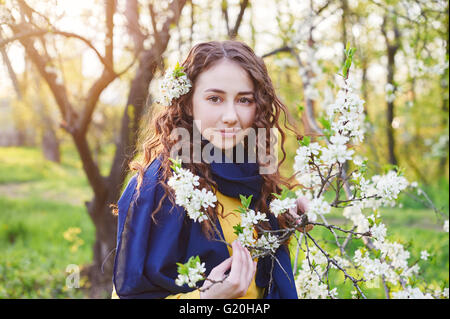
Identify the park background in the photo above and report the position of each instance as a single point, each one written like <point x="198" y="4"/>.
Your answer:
<point x="74" y="81"/>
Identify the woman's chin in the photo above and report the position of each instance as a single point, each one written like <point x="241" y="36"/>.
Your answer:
<point x="223" y="142"/>
<point x="224" y="145"/>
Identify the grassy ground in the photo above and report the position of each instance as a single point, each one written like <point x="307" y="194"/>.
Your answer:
<point x="44" y="228"/>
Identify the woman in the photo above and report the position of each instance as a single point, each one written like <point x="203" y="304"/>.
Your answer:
<point x="226" y="93"/>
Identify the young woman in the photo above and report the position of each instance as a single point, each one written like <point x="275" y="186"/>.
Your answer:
<point x="230" y="93"/>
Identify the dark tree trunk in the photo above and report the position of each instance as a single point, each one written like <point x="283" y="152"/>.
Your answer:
<point x="392" y="48"/>
<point x="99" y="208"/>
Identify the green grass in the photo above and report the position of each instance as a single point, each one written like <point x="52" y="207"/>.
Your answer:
<point x="40" y="201"/>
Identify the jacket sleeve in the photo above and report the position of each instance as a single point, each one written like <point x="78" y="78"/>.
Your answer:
<point x="147" y="251"/>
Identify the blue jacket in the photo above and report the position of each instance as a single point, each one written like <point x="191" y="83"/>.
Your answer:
<point x="147" y="252"/>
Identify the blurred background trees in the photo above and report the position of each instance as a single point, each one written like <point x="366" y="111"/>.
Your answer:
<point x="79" y="73"/>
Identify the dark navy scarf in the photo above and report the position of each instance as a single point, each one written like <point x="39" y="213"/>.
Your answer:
<point x="235" y="171"/>
<point x="147" y="252"/>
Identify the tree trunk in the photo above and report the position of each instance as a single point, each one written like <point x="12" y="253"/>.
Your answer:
<point x="101" y="269"/>
<point x="392" y="49"/>
<point x="99" y="208"/>
<point x="50" y="145"/>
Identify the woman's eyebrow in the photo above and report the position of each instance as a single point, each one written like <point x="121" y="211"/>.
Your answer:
<point x="221" y="91"/>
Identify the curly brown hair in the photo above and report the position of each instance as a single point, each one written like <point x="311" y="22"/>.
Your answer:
<point x="157" y="139"/>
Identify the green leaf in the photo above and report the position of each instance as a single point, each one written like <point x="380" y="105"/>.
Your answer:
<point x="377" y="253"/>
<point x="285" y="193"/>
<point x="305" y="141"/>
<point x="276" y="195"/>
<point x="176" y="163"/>
<point x="325" y="123"/>
<point x="238" y="229"/>
<point x="240" y="210"/>
<point x="245" y="201"/>
<point x="183" y="269"/>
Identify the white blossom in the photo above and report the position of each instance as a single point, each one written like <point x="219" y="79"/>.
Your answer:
<point x="308" y="283"/>
<point x="195" y="274"/>
<point x="251" y="218"/>
<point x="246" y="238"/>
<point x="411" y="293"/>
<point x="195" y="201"/>
<point x="390" y="90"/>
<point x="424" y="255"/>
<point x="268" y="242"/>
<point x="174" y="84"/>
<point x="378" y="232"/>
<point x="317" y="206"/>
<point x="278" y="206"/>
<point x="335" y="153"/>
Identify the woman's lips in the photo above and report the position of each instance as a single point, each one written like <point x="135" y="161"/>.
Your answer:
<point x="229" y="132"/>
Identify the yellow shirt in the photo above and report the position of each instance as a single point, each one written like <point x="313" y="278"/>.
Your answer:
<point x="229" y="220"/>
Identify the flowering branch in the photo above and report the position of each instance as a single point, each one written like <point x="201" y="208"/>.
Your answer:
<point x="320" y="170"/>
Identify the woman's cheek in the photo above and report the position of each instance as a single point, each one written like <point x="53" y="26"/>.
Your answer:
<point x="249" y="118"/>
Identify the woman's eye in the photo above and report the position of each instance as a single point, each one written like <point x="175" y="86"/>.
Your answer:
<point x="214" y="99"/>
<point x="246" y="100"/>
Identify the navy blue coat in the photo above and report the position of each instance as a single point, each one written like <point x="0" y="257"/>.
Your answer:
<point x="147" y="252"/>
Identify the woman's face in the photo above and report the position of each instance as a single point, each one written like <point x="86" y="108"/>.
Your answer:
<point x="223" y="104"/>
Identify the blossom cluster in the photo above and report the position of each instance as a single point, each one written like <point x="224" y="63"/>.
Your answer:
<point x="195" y="201"/>
<point x="316" y="166"/>
<point x="390" y="90"/>
<point x="191" y="272"/>
<point x="309" y="283"/>
<point x="411" y="293"/>
<point x="246" y="229"/>
<point x="346" y="114"/>
<point x="317" y="206"/>
<point x="174" y="84"/>
<point x="379" y="191"/>
<point x="279" y="206"/>
<point x="250" y="218"/>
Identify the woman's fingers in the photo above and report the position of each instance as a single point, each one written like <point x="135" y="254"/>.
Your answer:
<point x="242" y="271"/>
<point x="236" y="264"/>
<point x="221" y="268"/>
<point x="250" y="268"/>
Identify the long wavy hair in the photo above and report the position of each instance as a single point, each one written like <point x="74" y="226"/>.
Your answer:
<point x="157" y="141"/>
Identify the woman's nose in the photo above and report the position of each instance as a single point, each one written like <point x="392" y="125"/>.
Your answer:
<point x="230" y="116"/>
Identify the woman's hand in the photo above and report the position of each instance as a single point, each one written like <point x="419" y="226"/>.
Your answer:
<point x="302" y="207"/>
<point x="242" y="269"/>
